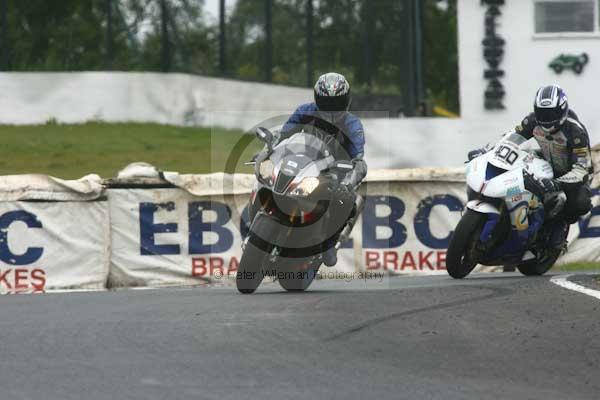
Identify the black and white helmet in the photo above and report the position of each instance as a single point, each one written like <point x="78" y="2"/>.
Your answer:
<point x="551" y="107"/>
<point x="332" y="93"/>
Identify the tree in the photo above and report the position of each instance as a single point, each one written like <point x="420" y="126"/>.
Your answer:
<point x="71" y="35"/>
<point x="359" y="38"/>
<point x="441" y="53"/>
<point x="61" y="35"/>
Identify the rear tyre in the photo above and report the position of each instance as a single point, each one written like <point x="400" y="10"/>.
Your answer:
<point x="251" y="269"/>
<point x="540" y="267"/>
<point x="298" y="280"/>
<point x="553" y="249"/>
<point x="459" y="259"/>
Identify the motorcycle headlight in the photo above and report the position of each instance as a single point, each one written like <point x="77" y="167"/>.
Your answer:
<point x="265" y="169"/>
<point x="305" y="187"/>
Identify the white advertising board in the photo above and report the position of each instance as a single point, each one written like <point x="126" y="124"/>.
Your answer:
<point x="53" y="245"/>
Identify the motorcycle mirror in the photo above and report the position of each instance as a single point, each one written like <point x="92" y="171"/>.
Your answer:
<point x="266" y="136"/>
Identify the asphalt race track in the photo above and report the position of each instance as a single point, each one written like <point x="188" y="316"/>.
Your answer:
<point x="494" y="336"/>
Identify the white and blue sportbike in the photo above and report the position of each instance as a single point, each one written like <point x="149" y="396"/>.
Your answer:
<point x="505" y="223"/>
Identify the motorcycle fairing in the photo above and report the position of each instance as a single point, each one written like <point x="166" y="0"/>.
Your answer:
<point x="489" y="178"/>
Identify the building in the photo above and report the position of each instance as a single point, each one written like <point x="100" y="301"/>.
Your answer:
<point x="533" y="42"/>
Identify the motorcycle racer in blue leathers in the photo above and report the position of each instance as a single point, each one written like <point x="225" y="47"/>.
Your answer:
<point x="329" y="118"/>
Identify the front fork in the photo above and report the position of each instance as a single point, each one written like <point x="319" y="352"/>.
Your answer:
<point x="497" y="234"/>
<point x="359" y="206"/>
<point x="494" y="231"/>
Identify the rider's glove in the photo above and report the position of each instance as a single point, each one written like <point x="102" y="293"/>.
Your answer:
<point x="350" y="181"/>
<point x="540" y="187"/>
<point x="478" y="152"/>
<point x="550" y="185"/>
<point x="548" y="190"/>
<point x="355" y="177"/>
<point x="475" y="153"/>
<point x="554" y="203"/>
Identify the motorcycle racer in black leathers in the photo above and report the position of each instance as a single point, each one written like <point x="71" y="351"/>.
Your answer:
<point x="565" y="144"/>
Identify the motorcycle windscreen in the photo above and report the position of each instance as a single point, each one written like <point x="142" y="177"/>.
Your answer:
<point x="310" y="145"/>
<point x="492" y="171"/>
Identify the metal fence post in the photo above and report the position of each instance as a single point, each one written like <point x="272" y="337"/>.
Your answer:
<point x="419" y="75"/>
<point x="165" y="41"/>
<point x="309" y="43"/>
<point x="222" y="57"/>
<point x="367" y="34"/>
<point x="108" y="62"/>
<point x="268" y="41"/>
<point x="407" y="63"/>
<point x="4" y="48"/>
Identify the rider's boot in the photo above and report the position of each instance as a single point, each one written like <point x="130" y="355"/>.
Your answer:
<point x="330" y="257"/>
<point x="559" y="229"/>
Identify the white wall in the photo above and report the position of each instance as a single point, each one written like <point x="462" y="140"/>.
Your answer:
<point x="525" y="64"/>
<point x="425" y="142"/>
<point x="34" y="98"/>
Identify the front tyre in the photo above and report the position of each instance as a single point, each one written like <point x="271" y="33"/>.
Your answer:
<point x="251" y="269"/>
<point x="461" y="250"/>
<point x="298" y="280"/>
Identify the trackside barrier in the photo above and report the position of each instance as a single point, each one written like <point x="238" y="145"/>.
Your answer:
<point x="54" y="245"/>
<point x="54" y="234"/>
<point x="168" y="236"/>
<point x="186" y="229"/>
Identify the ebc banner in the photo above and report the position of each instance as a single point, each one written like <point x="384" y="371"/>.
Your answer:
<point x="169" y="237"/>
<point x="53" y="245"/>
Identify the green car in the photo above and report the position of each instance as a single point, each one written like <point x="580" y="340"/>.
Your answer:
<point x="569" y="61"/>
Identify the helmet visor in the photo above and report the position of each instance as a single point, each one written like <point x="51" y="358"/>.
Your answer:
<point x="333" y="103"/>
<point x="548" y="117"/>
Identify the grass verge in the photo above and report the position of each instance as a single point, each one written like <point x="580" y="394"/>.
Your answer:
<point x="72" y="151"/>
<point x="580" y="266"/>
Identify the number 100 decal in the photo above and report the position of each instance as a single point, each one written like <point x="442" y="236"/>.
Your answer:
<point x="507" y="154"/>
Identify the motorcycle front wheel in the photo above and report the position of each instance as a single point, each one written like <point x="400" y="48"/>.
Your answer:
<point x="462" y="245"/>
<point x="299" y="279"/>
<point x="251" y="269"/>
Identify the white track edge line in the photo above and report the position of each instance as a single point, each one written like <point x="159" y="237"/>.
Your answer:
<point x="562" y="280"/>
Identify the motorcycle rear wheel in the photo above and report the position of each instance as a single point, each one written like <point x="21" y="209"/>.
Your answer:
<point x="537" y="268"/>
<point x="463" y="242"/>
